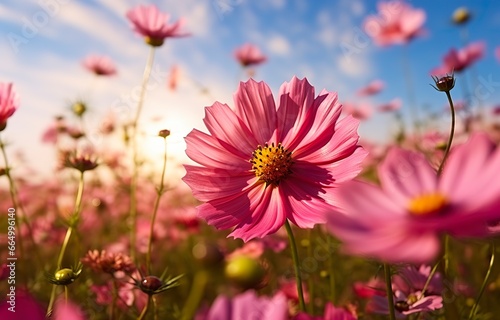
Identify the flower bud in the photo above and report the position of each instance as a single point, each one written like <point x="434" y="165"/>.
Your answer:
<point x="244" y="272"/>
<point x="461" y="15"/>
<point x="164" y="133"/>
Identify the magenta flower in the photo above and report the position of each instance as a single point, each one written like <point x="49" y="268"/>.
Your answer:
<point x="458" y="60"/>
<point x="152" y="24"/>
<point x="249" y="54"/>
<point x="371" y="89"/>
<point x="402" y="220"/>
<point x="8" y="103"/>
<point x="248" y="306"/>
<point x="263" y="163"/>
<point x="396" y="23"/>
<point x="67" y="310"/>
<point x="99" y="65"/>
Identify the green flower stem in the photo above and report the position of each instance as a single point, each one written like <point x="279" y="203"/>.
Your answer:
<point x="195" y="295"/>
<point x="72" y="225"/>
<point x="388" y="287"/>
<point x="431" y="275"/>
<point x="18" y="207"/>
<point x="135" y="164"/>
<point x="145" y="310"/>
<point x="331" y="277"/>
<point x="473" y="311"/>
<point x="452" y="133"/>
<point x="160" y="191"/>
<point x="295" y="258"/>
<point x="310" y="281"/>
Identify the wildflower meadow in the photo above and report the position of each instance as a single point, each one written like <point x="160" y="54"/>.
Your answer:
<point x="331" y="185"/>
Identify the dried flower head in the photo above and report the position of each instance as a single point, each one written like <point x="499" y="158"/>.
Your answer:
<point x="81" y="161"/>
<point x="164" y="133"/>
<point x="108" y="262"/>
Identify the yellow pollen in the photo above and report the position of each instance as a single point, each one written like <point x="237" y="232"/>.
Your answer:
<point x="427" y="204"/>
<point x="271" y="163"/>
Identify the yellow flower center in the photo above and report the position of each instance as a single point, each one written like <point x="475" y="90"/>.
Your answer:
<point x="271" y="163"/>
<point x="427" y="204"/>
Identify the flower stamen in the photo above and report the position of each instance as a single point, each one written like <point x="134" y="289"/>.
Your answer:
<point x="427" y="204"/>
<point x="271" y="163"/>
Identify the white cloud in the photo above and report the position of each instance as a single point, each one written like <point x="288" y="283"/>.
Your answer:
<point x="278" y="45"/>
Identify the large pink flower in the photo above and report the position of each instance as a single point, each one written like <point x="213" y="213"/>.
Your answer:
<point x="263" y="162"/>
<point x="152" y="24"/>
<point x="8" y="103"/>
<point x="458" y="60"/>
<point x="402" y="220"/>
<point x="249" y="54"/>
<point x="396" y="23"/>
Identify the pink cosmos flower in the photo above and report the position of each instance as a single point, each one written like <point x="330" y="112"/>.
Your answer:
<point x="405" y="304"/>
<point x="152" y="24"/>
<point x="8" y="103"/>
<point x="458" y="60"/>
<point x="402" y="220"/>
<point x="249" y="54"/>
<point x="371" y="89"/>
<point x="263" y="162"/>
<point x="396" y="23"/>
<point x="393" y="105"/>
<point x="362" y="111"/>
<point x="99" y="65"/>
<point x="25" y="307"/>
<point x="248" y="306"/>
<point x="331" y="313"/>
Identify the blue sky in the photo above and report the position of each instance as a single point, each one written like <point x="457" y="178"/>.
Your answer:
<point x="302" y="38"/>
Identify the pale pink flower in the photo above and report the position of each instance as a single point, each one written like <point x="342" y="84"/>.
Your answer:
<point x="264" y="163"/>
<point x="99" y="65"/>
<point x="411" y="279"/>
<point x="249" y="54"/>
<point x="393" y="105"/>
<point x="402" y="220"/>
<point x="371" y="89"/>
<point x="458" y="60"/>
<point x="248" y="306"/>
<point x="396" y="23"/>
<point x="9" y="103"/>
<point x="362" y="111"/>
<point x="153" y="25"/>
<point x="405" y="304"/>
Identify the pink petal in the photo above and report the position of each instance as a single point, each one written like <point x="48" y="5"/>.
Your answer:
<point x="233" y="134"/>
<point x="296" y="99"/>
<point x="267" y="214"/>
<point x="200" y="144"/>
<point x="211" y="183"/>
<point x="255" y="106"/>
<point x="327" y="111"/>
<point x="342" y="144"/>
<point x="307" y="208"/>
<point x="405" y="174"/>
